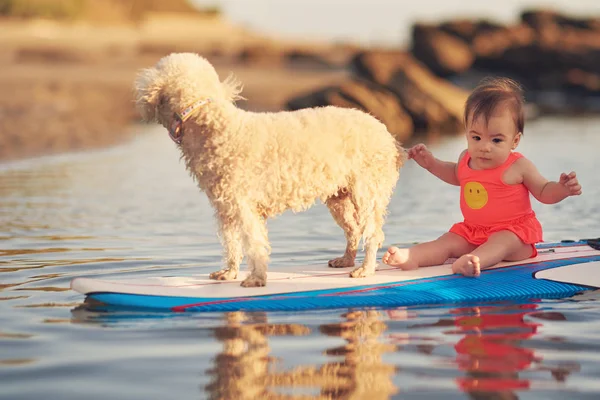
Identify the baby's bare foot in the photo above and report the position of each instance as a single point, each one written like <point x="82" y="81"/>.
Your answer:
<point x="467" y="265"/>
<point x="396" y="257"/>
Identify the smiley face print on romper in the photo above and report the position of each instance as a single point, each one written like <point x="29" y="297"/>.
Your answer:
<point x="475" y="195"/>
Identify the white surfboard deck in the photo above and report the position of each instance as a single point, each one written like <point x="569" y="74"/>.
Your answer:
<point x="321" y="277"/>
<point x="585" y="274"/>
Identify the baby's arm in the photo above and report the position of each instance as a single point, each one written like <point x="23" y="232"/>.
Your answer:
<point x="444" y="170"/>
<point x="548" y="192"/>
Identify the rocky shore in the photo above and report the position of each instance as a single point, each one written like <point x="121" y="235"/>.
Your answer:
<point x="68" y="86"/>
<point x="421" y="90"/>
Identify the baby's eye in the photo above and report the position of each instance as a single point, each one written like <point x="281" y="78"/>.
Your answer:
<point x="497" y="140"/>
<point x="475" y="137"/>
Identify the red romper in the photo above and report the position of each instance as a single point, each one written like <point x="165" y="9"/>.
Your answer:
<point x="489" y="205"/>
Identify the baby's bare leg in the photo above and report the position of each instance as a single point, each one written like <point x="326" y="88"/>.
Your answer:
<point x="500" y="246"/>
<point x="428" y="253"/>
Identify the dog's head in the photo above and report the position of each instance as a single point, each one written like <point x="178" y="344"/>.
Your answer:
<point x="177" y="81"/>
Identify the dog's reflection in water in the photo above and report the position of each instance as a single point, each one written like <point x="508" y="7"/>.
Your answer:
<point x="362" y="370"/>
<point x="245" y="368"/>
<point x="242" y="367"/>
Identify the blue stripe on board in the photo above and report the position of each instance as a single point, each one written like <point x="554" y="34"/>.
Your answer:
<point x="564" y="243"/>
<point x="508" y="283"/>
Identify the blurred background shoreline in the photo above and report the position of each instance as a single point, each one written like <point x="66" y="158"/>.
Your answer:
<point x="68" y="66"/>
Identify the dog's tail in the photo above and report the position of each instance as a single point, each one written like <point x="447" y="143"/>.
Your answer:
<point x="402" y="155"/>
<point x="232" y="88"/>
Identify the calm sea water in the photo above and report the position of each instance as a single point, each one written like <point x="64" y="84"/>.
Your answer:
<point x="133" y="211"/>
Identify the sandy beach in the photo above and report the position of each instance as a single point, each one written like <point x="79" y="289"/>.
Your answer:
<point x="66" y="87"/>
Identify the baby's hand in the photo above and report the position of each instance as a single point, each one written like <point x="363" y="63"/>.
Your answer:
<point x="571" y="183"/>
<point x="421" y="155"/>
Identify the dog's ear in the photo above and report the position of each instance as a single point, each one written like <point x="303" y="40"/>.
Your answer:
<point x="232" y="89"/>
<point x="148" y="87"/>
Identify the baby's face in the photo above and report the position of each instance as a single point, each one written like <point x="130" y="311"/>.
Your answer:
<point x="490" y="144"/>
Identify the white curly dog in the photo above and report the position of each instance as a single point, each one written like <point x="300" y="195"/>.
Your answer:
<point x="253" y="166"/>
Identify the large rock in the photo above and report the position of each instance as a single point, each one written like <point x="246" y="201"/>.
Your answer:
<point x="546" y="51"/>
<point x="365" y="96"/>
<point x="539" y="18"/>
<point x="435" y="105"/>
<point x="467" y="29"/>
<point x="486" y="42"/>
<point x="494" y="43"/>
<point x="443" y="53"/>
<point x="573" y="43"/>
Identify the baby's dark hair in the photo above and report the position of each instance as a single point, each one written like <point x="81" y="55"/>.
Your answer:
<point x="491" y="92"/>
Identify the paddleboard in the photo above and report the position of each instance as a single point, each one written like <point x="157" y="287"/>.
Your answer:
<point x="559" y="270"/>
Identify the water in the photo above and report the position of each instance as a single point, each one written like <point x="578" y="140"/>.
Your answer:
<point x="375" y="22"/>
<point x="133" y="211"/>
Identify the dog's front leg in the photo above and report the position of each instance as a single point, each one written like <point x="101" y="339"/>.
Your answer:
<point x="232" y="246"/>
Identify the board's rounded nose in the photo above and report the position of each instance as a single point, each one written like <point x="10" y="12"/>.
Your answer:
<point x="78" y="285"/>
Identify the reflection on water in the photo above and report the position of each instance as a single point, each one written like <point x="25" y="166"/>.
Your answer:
<point x="363" y="371"/>
<point x="133" y="211"/>
<point x="15" y="335"/>
<point x="490" y="346"/>
<point x="16" y="361"/>
<point x="242" y="369"/>
<point x="46" y="305"/>
<point x="484" y="351"/>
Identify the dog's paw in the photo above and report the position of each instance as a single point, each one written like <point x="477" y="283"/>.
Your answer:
<point x="226" y="274"/>
<point x="341" y="262"/>
<point x="362" y="272"/>
<point x="254" y="281"/>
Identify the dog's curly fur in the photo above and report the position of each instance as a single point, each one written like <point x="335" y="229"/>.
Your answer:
<point x="253" y="166"/>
